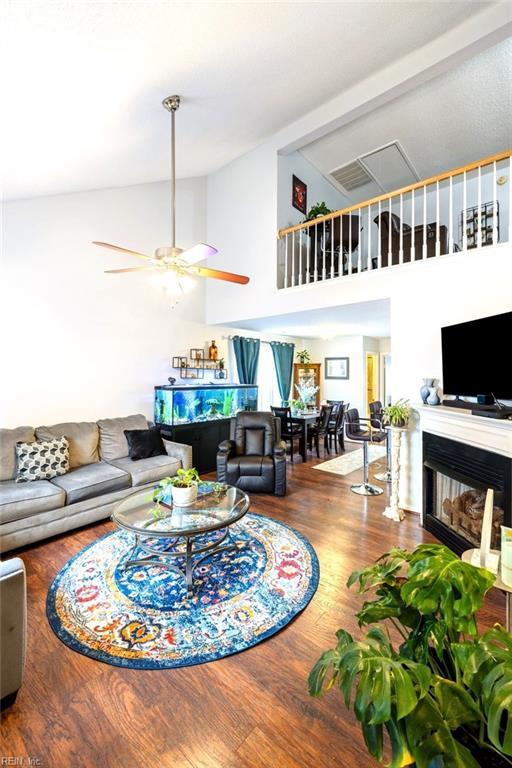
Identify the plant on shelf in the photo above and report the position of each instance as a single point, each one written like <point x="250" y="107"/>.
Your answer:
<point x="220" y="364"/>
<point x="303" y="357"/>
<point x="183" y="486"/>
<point x="319" y="209"/>
<point x="444" y="696"/>
<point x="397" y="414"/>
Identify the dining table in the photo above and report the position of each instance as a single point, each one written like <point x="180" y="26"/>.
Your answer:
<point x="305" y="419"/>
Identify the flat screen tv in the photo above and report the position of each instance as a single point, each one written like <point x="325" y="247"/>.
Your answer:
<point x="477" y="357"/>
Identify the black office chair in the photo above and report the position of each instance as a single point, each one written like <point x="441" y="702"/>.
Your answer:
<point x="376" y="414"/>
<point x="364" y="431"/>
<point x="255" y="460"/>
<point x="289" y="430"/>
<point x="320" y="429"/>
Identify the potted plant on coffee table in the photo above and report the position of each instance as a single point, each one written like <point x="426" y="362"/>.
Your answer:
<point x="184" y="487"/>
<point x="442" y="694"/>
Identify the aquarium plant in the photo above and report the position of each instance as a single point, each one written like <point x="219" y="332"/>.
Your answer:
<point x="444" y="695"/>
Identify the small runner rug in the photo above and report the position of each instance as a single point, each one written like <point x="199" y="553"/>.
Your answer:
<point x="350" y="462"/>
<point x="141" y="618"/>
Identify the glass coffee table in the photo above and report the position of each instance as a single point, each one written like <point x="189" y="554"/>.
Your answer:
<point x="167" y="532"/>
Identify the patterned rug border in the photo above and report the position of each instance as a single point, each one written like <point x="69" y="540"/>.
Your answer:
<point x="115" y="661"/>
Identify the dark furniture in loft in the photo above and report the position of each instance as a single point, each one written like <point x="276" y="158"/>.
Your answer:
<point x="255" y="459"/>
<point x="326" y="239"/>
<point x="408" y="237"/>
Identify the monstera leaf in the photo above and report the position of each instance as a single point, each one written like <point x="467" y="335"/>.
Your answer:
<point x="439" y="582"/>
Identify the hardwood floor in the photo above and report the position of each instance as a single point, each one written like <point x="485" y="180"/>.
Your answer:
<point x="251" y="710"/>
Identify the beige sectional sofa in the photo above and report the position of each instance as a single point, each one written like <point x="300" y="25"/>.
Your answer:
<point x="101" y="473"/>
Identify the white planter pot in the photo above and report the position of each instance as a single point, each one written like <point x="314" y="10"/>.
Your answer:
<point x="184" y="497"/>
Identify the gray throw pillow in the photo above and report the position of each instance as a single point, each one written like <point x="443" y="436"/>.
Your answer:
<point x="41" y="459"/>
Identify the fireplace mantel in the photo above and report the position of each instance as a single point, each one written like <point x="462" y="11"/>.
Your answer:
<point x="458" y="424"/>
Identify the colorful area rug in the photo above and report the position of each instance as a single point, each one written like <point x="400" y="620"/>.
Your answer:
<point x="141" y="618"/>
<point x="350" y="462"/>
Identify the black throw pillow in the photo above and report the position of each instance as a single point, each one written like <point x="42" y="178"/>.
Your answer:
<point x="144" y="443"/>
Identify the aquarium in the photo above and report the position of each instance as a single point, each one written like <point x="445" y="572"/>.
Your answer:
<point x="187" y="405"/>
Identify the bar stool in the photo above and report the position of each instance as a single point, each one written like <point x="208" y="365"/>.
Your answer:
<point x="376" y="413"/>
<point x="363" y="431"/>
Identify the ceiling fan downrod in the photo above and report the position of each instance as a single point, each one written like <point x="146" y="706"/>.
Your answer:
<point x="172" y="104"/>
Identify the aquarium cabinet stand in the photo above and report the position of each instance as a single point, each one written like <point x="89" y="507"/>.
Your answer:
<point x="204" y="437"/>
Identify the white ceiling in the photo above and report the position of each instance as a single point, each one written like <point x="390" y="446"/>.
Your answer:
<point x="370" y="318"/>
<point x="82" y="81"/>
<point x="455" y="118"/>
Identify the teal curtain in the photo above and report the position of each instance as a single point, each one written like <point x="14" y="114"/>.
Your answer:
<point x="283" y="361"/>
<point x="247" y="353"/>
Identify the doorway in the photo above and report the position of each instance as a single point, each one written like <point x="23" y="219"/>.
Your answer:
<point x="372" y="378"/>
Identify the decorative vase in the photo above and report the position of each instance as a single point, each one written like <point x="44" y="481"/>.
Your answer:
<point x="184" y="497"/>
<point x="213" y="351"/>
<point x="427" y="383"/>
<point x="433" y="397"/>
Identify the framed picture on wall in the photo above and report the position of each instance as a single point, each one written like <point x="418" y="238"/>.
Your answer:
<point x="299" y="195"/>
<point x="336" y="367"/>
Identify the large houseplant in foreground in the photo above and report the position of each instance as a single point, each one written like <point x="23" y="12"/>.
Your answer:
<point x="444" y="696"/>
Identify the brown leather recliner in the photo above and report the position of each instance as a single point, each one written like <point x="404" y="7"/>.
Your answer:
<point x="431" y="232"/>
<point x="255" y="460"/>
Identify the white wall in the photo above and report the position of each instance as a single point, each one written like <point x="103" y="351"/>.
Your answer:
<point x="319" y="189"/>
<point x="350" y="390"/>
<point x="78" y="344"/>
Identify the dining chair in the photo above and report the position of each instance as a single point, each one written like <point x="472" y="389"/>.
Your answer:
<point x="335" y="430"/>
<point x="289" y="430"/>
<point x="320" y="429"/>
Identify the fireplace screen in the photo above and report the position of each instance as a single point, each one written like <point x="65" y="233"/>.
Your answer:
<point x="461" y="508"/>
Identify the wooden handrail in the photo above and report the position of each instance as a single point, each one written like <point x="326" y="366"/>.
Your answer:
<point x="418" y="185"/>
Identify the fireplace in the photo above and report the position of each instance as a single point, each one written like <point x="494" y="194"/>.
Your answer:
<point x="456" y="478"/>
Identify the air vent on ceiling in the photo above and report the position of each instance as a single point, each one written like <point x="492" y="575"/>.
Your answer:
<point x="352" y="176"/>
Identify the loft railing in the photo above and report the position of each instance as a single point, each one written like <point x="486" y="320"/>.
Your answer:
<point x="467" y="207"/>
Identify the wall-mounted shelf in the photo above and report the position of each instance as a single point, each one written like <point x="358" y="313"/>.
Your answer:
<point x="194" y="366"/>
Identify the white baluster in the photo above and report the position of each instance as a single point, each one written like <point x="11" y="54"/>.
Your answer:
<point x="438" y="242"/>
<point x="359" y="242"/>
<point x="450" y="218"/>
<point x="509" y="200"/>
<point x="464" y="207"/>
<point x="413" y="232"/>
<point x="316" y="253"/>
<point x="424" y="221"/>
<point x="479" y="211"/>
<point x="390" y="227"/>
<point x="293" y="258"/>
<point x="350" y="243"/>
<point x="401" y="245"/>
<point x="340" y="263"/>
<point x="494" y="205"/>
<point x="286" y="260"/>
<point x="369" y="259"/>
<point x="308" y="254"/>
<point x="332" y="248"/>
<point x="323" y="253"/>
<point x="379" y="241"/>
<point x="300" y="255"/>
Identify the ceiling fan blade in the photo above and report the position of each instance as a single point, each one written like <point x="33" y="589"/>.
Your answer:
<point x="120" y="249"/>
<point x="230" y="277"/>
<point x="198" y="252"/>
<point x="129" y="269"/>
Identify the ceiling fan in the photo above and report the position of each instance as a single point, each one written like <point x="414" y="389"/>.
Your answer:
<point x="175" y="264"/>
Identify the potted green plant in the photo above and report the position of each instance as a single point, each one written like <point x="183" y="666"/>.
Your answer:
<point x="184" y="487"/>
<point x="319" y="209"/>
<point x="443" y="697"/>
<point x="303" y="357"/>
<point x="397" y="414"/>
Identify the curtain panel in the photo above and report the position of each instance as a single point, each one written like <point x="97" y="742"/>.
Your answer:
<point x="283" y="361"/>
<point x="247" y="353"/>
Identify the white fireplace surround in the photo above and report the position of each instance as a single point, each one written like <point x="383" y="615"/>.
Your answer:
<point x="458" y="424"/>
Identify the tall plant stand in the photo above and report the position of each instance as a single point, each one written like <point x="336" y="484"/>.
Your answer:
<point x="393" y="511"/>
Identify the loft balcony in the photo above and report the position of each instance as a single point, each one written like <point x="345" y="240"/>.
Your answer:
<point x="464" y="208"/>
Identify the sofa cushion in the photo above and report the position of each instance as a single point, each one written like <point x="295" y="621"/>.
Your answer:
<point x="92" y="480"/>
<point x="148" y="470"/>
<point x="82" y="436"/>
<point x="8" y="440"/>
<point x="41" y="459"/>
<point x="113" y="443"/>
<point x="20" y="500"/>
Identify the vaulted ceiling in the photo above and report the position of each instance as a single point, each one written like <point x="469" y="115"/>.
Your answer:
<point x="82" y="81"/>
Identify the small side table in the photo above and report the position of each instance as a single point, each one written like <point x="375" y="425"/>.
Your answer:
<point x="393" y="511"/>
<point x="466" y="557"/>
